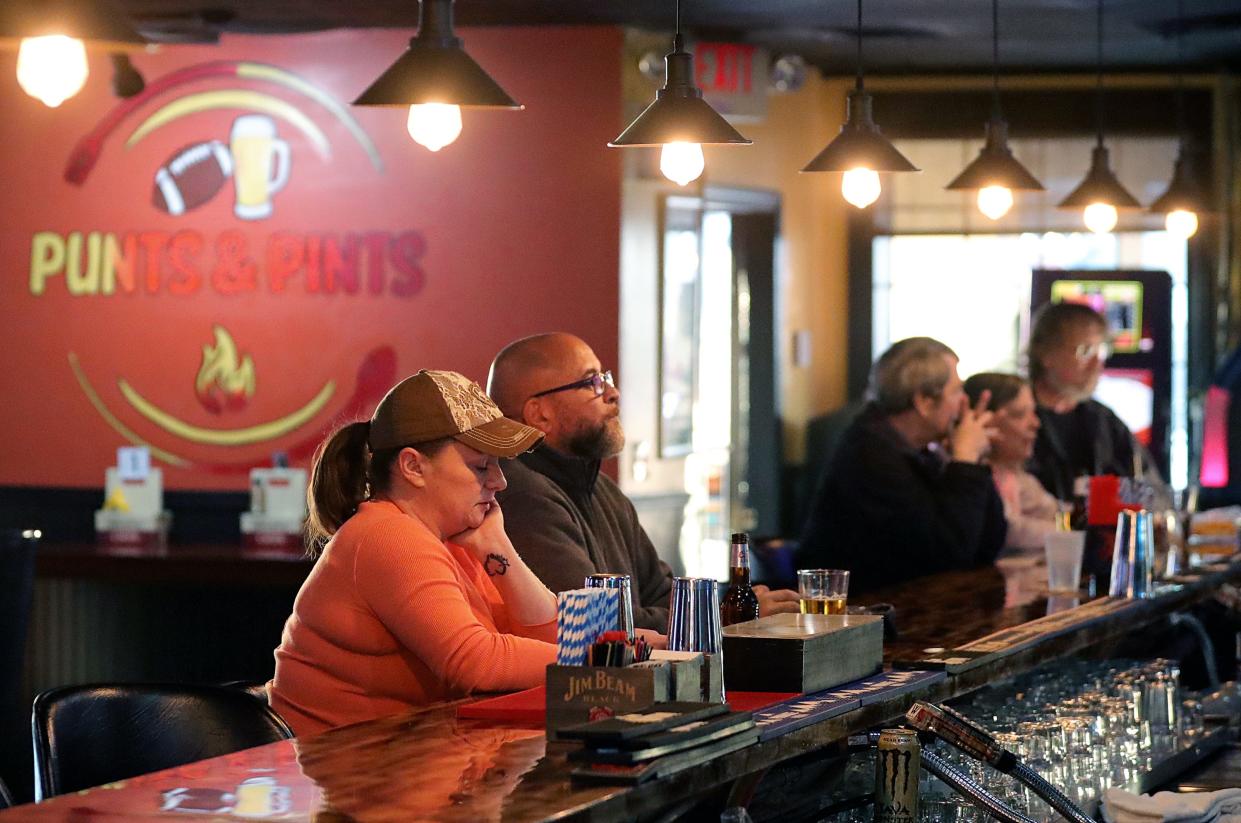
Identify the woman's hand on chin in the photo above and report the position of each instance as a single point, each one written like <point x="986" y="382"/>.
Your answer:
<point x="487" y="538"/>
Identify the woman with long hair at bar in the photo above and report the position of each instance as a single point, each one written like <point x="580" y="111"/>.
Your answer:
<point x="1028" y="508"/>
<point x="418" y="595"/>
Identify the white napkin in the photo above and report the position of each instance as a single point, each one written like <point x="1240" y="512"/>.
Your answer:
<point x="1120" y="806"/>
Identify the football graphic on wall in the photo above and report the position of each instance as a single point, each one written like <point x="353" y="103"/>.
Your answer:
<point x="191" y="177"/>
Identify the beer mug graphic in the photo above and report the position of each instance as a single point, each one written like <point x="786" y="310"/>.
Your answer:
<point x="260" y="165"/>
<point x="261" y="797"/>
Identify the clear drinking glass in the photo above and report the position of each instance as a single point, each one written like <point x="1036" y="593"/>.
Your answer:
<point x="823" y="591"/>
<point x="1063" y="551"/>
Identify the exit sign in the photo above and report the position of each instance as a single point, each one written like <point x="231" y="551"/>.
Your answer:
<point x="733" y="79"/>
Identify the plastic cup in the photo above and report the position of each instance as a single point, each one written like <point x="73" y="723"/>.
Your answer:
<point x="1064" y="560"/>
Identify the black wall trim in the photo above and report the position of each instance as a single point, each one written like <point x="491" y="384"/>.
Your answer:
<point x="1042" y="113"/>
<point x="68" y="515"/>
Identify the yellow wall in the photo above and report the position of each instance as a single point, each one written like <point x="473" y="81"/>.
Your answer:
<point x="812" y="280"/>
<point x="813" y="285"/>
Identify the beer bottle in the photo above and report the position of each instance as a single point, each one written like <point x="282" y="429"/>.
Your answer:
<point x="740" y="602"/>
<point x="1081" y="494"/>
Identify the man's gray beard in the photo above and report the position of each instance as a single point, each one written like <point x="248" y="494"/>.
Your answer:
<point x="1079" y="394"/>
<point x="599" y="443"/>
<point x="1074" y="394"/>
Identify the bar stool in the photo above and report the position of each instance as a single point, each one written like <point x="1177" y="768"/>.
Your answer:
<point x="93" y="734"/>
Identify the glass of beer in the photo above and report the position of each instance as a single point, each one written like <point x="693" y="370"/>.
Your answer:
<point x="823" y="591"/>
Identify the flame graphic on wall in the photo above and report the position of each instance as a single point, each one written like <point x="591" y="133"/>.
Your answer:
<point x="224" y="381"/>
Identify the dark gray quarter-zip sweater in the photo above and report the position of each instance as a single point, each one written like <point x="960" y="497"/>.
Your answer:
<point x="567" y="520"/>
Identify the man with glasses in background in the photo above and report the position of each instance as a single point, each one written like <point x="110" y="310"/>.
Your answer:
<point x="565" y="518"/>
<point x="1079" y="436"/>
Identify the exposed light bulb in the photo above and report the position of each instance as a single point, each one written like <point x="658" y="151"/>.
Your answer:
<point x="434" y="125"/>
<point x="1100" y="218"/>
<point x="52" y="68"/>
<point x="681" y="162"/>
<point x="1182" y="223"/>
<point x="860" y="187"/>
<point x="995" y="201"/>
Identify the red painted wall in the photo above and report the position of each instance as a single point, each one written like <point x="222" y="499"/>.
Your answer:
<point x="378" y="257"/>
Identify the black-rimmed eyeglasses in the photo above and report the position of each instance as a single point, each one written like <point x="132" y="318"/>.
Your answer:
<point x="596" y="383"/>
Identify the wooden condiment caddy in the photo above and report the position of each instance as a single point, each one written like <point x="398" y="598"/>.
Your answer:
<point x="801" y="652"/>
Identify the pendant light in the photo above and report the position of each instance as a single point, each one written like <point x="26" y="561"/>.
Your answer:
<point x="679" y="120"/>
<point x="995" y="173"/>
<point x="860" y="150"/>
<point x="435" y="78"/>
<point x="1185" y="197"/>
<point x="52" y="37"/>
<point x="1100" y="194"/>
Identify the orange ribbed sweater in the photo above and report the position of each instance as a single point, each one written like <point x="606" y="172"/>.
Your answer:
<point x="391" y="618"/>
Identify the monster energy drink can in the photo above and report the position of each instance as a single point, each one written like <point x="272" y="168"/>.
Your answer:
<point x="896" y="776"/>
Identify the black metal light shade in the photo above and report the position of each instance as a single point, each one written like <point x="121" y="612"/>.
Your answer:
<point x="97" y="23"/>
<point x="995" y="165"/>
<point x="1185" y="192"/>
<point x="436" y="69"/>
<point x="126" y="80"/>
<point x="860" y="143"/>
<point x="1099" y="186"/>
<point x="679" y="114"/>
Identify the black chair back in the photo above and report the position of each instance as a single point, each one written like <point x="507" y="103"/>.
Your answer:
<point x="253" y="688"/>
<point x="88" y="735"/>
<point x="6" y="799"/>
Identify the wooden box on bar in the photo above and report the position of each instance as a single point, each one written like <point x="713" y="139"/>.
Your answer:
<point x="579" y="694"/>
<point x="801" y="652"/>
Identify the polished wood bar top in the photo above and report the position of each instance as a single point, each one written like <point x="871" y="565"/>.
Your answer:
<point x="427" y="765"/>
<point x="431" y="765"/>
<point x="230" y="565"/>
<point x="954" y="608"/>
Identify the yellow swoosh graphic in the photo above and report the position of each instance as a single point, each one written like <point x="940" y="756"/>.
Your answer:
<point x="233" y="99"/>
<point x="227" y="437"/>
<point x="111" y="420"/>
<point x="262" y="71"/>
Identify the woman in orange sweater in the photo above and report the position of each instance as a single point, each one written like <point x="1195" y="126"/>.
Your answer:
<point x="418" y="596"/>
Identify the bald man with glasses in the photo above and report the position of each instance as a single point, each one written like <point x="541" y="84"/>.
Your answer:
<point x="565" y="518"/>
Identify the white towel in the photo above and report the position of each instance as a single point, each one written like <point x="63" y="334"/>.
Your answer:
<point x="1120" y="806"/>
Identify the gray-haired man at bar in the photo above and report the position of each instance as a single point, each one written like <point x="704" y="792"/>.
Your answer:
<point x="889" y="508"/>
<point x="566" y="518"/>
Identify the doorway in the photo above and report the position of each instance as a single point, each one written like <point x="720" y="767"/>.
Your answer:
<point x="715" y="447"/>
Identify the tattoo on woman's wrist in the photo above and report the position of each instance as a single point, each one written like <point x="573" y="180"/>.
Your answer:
<point x="495" y="564"/>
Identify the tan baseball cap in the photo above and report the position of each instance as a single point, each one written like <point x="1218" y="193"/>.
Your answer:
<point x="431" y="405"/>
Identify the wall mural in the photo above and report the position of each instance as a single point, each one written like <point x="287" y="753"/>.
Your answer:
<point x="234" y="261"/>
<point x="255" y="163"/>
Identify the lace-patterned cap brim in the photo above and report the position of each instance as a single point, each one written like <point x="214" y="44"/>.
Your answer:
<point x="431" y="405"/>
<point x="501" y="437"/>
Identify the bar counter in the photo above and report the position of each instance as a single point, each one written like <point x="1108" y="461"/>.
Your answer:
<point x="197" y="564"/>
<point x="429" y="764"/>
